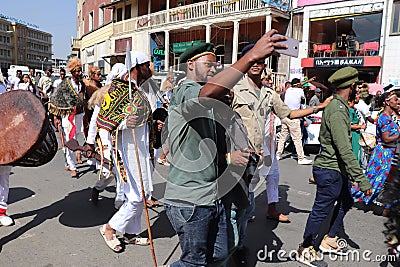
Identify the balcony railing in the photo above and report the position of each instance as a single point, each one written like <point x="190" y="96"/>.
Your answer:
<point x="211" y="8"/>
<point x="76" y="43"/>
<point x="351" y="49"/>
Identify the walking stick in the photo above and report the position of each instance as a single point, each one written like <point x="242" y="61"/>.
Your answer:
<point x="144" y="200"/>
<point x="128" y="65"/>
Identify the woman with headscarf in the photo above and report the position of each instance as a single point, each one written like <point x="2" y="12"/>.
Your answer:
<point x="387" y="134"/>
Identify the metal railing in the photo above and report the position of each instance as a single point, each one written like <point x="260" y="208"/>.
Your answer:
<point x="200" y="10"/>
<point x="278" y="79"/>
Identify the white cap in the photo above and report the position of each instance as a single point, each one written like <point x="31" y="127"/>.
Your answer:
<point x="138" y="58"/>
<point x="116" y="70"/>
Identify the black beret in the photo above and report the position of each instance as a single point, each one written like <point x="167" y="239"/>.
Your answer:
<point x="247" y="48"/>
<point x="344" y="77"/>
<point x="196" y="51"/>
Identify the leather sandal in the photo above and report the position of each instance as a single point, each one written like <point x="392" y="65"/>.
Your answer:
<point x="114" y="244"/>
<point x="152" y="203"/>
<point x="137" y="240"/>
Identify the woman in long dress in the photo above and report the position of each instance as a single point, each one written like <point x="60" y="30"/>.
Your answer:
<point x="387" y="134"/>
<point x="356" y="126"/>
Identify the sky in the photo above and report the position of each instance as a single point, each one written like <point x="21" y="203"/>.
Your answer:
<point x="53" y="16"/>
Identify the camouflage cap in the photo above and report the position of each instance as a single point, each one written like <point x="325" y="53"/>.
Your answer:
<point x="344" y="77"/>
<point x="196" y="51"/>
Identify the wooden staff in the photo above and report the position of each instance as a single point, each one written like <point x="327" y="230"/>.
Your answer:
<point x="144" y="199"/>
<point x="128" y="65"/>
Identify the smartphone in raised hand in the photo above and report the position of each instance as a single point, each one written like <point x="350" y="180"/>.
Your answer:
<point x="293" y="47"/>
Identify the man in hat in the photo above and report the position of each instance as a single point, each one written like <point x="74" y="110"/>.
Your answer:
<point x="257" y="107"/>
<point x="192" y="198"/>
<point x="118" y="115"/>
<point x="331" y="171"/>
<point x="315" y="100"/>
<point x="67" y="101"/>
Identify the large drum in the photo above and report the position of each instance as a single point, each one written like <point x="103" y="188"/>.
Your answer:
<point x="26" y="137"/>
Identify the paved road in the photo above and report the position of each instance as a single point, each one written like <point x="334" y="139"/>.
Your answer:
<point x="56" y="224"/>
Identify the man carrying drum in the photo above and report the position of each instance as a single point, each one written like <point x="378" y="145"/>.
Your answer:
<point x="68" y="102"/>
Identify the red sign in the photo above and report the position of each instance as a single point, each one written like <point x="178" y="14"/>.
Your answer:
<point x="369" y="61"/>
<point x="314" y="2"/>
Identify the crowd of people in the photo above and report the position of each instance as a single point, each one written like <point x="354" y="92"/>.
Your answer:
<point x="217" y="135"/>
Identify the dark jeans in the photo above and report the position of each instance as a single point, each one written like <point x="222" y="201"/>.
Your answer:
<point x="202" y="232"/>
<point x="248" y="214"/>
<point x="331" y="187"/>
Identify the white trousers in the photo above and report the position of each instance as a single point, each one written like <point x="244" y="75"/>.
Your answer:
<point x="105" y="179"/>
<point x="78" y="121"/>
<point x="128" y="218"/>
<point x="4" y="185"/>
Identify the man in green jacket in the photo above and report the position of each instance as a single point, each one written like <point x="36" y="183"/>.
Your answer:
<point x="332" y="169"/>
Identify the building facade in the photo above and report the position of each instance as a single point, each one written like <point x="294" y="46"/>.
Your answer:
<point x="164" y="28"/>
<point x="332" y="33"/>
<point x="23" y="43"/>
<point x="362" y="33"/>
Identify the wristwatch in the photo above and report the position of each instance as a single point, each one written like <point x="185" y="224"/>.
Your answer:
<point x="315" y="109"/>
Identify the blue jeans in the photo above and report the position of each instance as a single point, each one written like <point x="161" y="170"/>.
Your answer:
<point x="332" y="186"/>
<point x="202" y="232"/>
<point x="249" y="213"/>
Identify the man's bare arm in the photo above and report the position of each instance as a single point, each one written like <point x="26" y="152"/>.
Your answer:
<point x="217" y="87"/>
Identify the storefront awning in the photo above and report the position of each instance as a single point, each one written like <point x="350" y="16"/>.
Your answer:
<point x="119" y="57"/>
<point x="339" y="62"/>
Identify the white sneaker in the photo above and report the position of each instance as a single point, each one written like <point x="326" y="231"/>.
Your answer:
<point x="304" y="161"/>
<point x="278" y="158"/>
<point x="163" y="162"/>
<point x="6" y="221"/>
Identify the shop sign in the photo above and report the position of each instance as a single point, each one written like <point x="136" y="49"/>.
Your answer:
<point x="19" y="21"/>
<point x="181" y="47"/>
<point x="339" y="62"/>
<point x="158" y="52"/>
<point x="358" y="9"/>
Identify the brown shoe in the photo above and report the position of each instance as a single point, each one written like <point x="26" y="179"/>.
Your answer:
<point x="274" y="214"/>
<point x="66" y="168"/>
<point x="279" y="217"/>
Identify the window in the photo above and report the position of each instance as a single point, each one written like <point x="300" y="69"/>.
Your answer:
<point x="298" y="26"/>
<point x="128" y="11"/>
<point x="396" y="18"/>
<point x="101" y="16"/>
<point x="119" y="14"/>
<point x="91" y="21"/>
